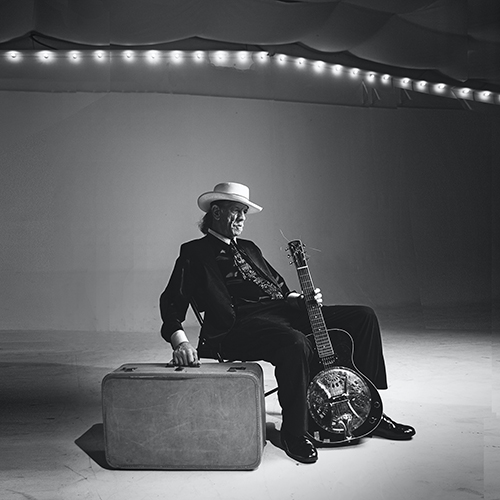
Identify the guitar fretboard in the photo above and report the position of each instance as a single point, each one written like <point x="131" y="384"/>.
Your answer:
<point x="318" y="325"/>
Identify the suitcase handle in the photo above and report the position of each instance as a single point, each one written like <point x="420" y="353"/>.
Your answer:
<point x="182" y="368"/>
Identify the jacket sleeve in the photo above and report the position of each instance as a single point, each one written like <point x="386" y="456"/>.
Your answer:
<point x="174" y="301"/>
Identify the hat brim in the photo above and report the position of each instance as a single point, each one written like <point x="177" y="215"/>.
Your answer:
<point x="206" y="199"/>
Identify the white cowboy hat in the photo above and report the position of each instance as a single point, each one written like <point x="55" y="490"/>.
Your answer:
<point x="232" y="191"/>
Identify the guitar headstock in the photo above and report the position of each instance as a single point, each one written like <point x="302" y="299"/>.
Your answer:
<point x="297" y="253"/>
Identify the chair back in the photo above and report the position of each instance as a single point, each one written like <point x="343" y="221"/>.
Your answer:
<point x="204" y="349"/>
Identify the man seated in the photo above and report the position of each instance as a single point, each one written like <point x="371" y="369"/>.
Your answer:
<point x="252" y="315"/>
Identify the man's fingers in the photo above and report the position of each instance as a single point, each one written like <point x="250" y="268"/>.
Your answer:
<point x="185" y="355"/>
<point x="190" y="357"/>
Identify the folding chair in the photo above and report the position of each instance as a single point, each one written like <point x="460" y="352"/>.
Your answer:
<point x="206" y="350"/>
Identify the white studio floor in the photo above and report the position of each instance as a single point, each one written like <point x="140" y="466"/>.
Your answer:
<point x="444" y="380"/>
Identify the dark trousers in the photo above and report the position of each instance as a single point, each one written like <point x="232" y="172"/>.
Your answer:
<point x="275" y="332"/>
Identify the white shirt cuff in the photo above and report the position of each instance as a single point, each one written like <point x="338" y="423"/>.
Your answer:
<point x="178" y="337"/>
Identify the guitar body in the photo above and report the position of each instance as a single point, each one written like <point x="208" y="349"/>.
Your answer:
<point x="343" y="404"/>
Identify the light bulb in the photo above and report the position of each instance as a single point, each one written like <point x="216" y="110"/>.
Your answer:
<point x="319" y="66"/>
<point x="221" y="55"/>
<point x="176" y="56"/>
<point x="45" y="55"/>
<point x="153" y="56"/>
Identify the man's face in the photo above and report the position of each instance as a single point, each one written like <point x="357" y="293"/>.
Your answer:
<point x="229" y="219"/>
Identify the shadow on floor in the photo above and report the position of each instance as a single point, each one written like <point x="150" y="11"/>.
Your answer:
<point x="273" y="434"/>
<point x="92" y="443"/>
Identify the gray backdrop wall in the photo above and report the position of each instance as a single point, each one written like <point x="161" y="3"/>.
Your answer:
<point x="98" y="191"/>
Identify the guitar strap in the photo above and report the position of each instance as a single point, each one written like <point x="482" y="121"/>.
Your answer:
<point x="247" y="270"/>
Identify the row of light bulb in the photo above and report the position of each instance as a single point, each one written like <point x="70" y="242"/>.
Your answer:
<point x="223" y="57"/>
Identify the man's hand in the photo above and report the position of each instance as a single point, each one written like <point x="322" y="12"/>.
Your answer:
<point x="185" y="355"/>
<point x="318" y="297"/>
<point x="296" y="299"/>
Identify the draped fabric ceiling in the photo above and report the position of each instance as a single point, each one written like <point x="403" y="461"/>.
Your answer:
<point x="454" y="41"/>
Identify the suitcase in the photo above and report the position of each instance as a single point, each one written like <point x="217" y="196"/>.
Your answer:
<point x="210" y="417"/>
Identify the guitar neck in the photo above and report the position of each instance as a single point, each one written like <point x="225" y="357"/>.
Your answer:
<point x="316" y="319"/>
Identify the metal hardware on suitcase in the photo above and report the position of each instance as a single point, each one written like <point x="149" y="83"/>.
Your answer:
<point x="194" y="418"/>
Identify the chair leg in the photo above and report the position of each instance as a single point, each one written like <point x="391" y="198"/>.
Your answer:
<point x="272" y="391"/>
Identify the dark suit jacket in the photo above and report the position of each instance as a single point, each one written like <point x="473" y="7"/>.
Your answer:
<point x="196" y="274"/>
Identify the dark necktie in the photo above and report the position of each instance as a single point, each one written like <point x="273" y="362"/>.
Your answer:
<point x="250" y="274"/>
